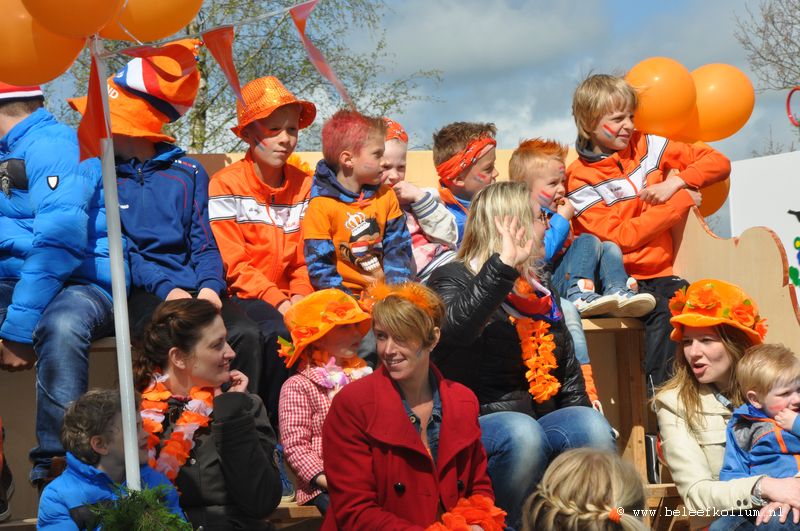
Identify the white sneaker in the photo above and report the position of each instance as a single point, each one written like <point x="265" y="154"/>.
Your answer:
<point x="634" y="304"/>
<point x="589" y="306"/>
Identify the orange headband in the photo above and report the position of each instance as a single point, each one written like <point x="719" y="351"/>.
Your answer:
<point x="395" y="131"/>
<point x="408" y="290"/>
<point x="452" y="167"/>
<point x="614" y="515"/>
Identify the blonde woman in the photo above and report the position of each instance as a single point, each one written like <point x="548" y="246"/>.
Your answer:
<point x="586" y="490"/>
<point x="714" y="322"/>
<point x="504" y="337"/>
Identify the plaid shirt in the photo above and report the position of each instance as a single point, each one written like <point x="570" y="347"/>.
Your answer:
<point x="304" y="403"/>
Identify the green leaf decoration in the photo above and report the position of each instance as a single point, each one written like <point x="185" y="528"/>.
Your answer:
<point x="138" y="510"/>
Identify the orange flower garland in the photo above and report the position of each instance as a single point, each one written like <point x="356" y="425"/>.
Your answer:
<point x="476" y="510"/>
<point x="537" y="354"/>
<point x="175" y="450"/>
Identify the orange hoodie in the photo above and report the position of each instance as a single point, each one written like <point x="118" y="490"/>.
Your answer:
<point x="257" y="229"/>
<point x="605" y="193"/>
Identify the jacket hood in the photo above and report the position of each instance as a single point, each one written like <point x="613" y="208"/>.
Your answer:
<point x="584" y="148"/>
<point x="166" y="154"/>
<point x="749" y="411"/>
<point x="36" y="119"/>
<point x="326" y="185"/>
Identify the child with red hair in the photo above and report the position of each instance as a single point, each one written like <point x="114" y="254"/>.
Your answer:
<point x="433" y="228"/>
<point x="355" y="232"/>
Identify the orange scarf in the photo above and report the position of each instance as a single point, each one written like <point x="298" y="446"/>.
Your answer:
<point x="461" y="161"/>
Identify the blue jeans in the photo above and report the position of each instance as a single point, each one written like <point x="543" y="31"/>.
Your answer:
<point x="573" y="321"/>
<point x="741" y="523"/>
<point x="519" y="448"/>
<point x="77" y="315"/>
<point x="588" y="257"/>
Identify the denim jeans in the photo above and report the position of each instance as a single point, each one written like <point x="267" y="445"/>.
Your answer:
<point x="519" y="448"/>
<point x="588" y="257"/>
<point x="77" y="315"/>
<point x="741" y="523"/>
<point x="573" y="321"/>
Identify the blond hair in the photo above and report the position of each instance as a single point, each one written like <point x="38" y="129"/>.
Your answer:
<point x="415" y="317"/>
<point x="766" y="366"/>
<point x="481" y="238"/>
<point x="532" y="155"/>
<point x="582" y="490"/>
<point x="688" y="388"/>
<point x="601" y="94"/>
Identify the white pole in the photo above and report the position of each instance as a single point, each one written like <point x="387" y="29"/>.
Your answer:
<point x="118" y="289"/>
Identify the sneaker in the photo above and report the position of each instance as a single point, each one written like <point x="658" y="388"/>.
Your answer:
<point x="588" y="302"/>
<point x="634" y="304"/>
<point x="287" y="487"/>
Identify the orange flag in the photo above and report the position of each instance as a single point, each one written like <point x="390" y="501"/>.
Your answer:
<point x="300" y="15"/>
<point x="220" y="43"/>
<point x="93" y="126"/>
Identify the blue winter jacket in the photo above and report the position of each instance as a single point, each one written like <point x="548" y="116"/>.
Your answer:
<point x="756" y="445"/>
<point x="52" y="220"/>
<point x="61" y="506"/>
<point x="555" y="235"/>
<point x="164" y="209"/>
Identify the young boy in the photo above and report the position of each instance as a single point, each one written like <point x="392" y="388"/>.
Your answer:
<point x="763" y="435"/>
<point x="432" y="227"/>
<point x="631" y="188"/>
<point x="574" y="264"/>
<point x="163" y="196"/>
<point x="92" y="436"/>
<point x="328" y="361"/>
<point x="464" y="155"/>
<point x="355" y="233"/>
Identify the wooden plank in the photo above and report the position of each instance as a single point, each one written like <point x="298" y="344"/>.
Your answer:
<point x="605" y="324"/>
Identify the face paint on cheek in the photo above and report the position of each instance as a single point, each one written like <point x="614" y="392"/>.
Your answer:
<point x="545" y="198"/>
<point x="610" y="133"/>
<point x="483" y="178"/>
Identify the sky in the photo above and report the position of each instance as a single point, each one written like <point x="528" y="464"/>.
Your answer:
<point x="517" y="62"/>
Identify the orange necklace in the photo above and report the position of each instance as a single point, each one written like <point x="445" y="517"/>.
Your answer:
<point x="537" y="355"/>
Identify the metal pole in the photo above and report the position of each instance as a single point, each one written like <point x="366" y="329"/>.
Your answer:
<point x="118" y="288"/>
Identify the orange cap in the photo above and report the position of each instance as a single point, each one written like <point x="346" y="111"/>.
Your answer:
<point x="394" y="131"/>
<point x="262" y="96"/>
<point x="315" y="315"/>
<point x="710" y="302"/>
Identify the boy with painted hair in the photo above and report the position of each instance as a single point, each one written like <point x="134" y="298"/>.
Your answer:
<point x="763" y="435"/>
<point x="464" y="155"/>
<point x="92" y="436"/>
<point x="631" y="188"/>
<point x="432" y="227"/>
<point x="355" y="232"/>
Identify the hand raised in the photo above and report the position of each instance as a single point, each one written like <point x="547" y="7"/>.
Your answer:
<point x="516" y="246"/>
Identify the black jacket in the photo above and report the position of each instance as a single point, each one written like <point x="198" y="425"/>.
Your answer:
<point x="230" y="480"/>
<point x="480" y="347"/>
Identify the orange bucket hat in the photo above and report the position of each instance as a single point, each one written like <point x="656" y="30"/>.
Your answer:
<point x="262" y="96"/>
<point x="316" y="315"/>
<point x="710" y="302"/>
<point x="150" y="92"/>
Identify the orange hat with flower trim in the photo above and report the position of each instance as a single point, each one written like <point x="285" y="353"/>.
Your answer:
<point x="150" y="92"/>
<point x="316" y="315"/>
<point x="711" y="302"/>
<point x="262" y="96"/>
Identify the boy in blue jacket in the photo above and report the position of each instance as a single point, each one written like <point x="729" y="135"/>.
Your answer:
<point x="92" y="435"/>
<point x="163" y="197"/>
<point x="763" y="435"/>
<point x="55" y="280"/>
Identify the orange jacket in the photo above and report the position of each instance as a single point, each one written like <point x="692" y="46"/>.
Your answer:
<point x="605" y="196"/>
<point x="257" y="229"/>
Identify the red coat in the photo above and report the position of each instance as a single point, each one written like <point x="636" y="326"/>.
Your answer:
<point x="380" y="476"/>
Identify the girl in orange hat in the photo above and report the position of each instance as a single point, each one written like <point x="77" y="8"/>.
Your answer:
<point x="326" y="327"/>
<point x="714" y="323"/>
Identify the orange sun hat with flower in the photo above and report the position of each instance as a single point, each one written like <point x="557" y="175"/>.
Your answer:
<point x="711" y="302"/>
<point x="263" y="96"/>
<point x="316" y="315"/>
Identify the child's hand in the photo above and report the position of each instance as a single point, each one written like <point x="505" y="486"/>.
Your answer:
<point x="211" y="296"/>
<point x="178" y="293"/>
<point x="658" y="194"/>
<point x="516" y="247"/>
<point x="785" y="418"/>
<point x="238" y="382"/>
<point x="407" y="193"/>
<point x="565" y="209"/>
<point x="697" y="197"/>
<point x="284" y="307"/>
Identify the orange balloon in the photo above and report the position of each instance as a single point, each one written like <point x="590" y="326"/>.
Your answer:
<point x="151" y="20"/>
<point x="31" y="54"/>
<point x="690" y="132"/>
<point x="714" y="197"/>
<point x="666" y="95"/>
<point x="73" y="18"/>
<point x="725" y="100"/>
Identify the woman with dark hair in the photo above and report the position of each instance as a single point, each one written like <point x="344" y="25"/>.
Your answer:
<point x="206" y="433"/>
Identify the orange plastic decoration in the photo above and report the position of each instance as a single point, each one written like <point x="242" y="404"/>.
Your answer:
<point x="714" y="197"/>
<point x="725" y="100"/>
<point x="151" y="20"/>
<point x="73" y="18"/>
<point x="666" y="95"/>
